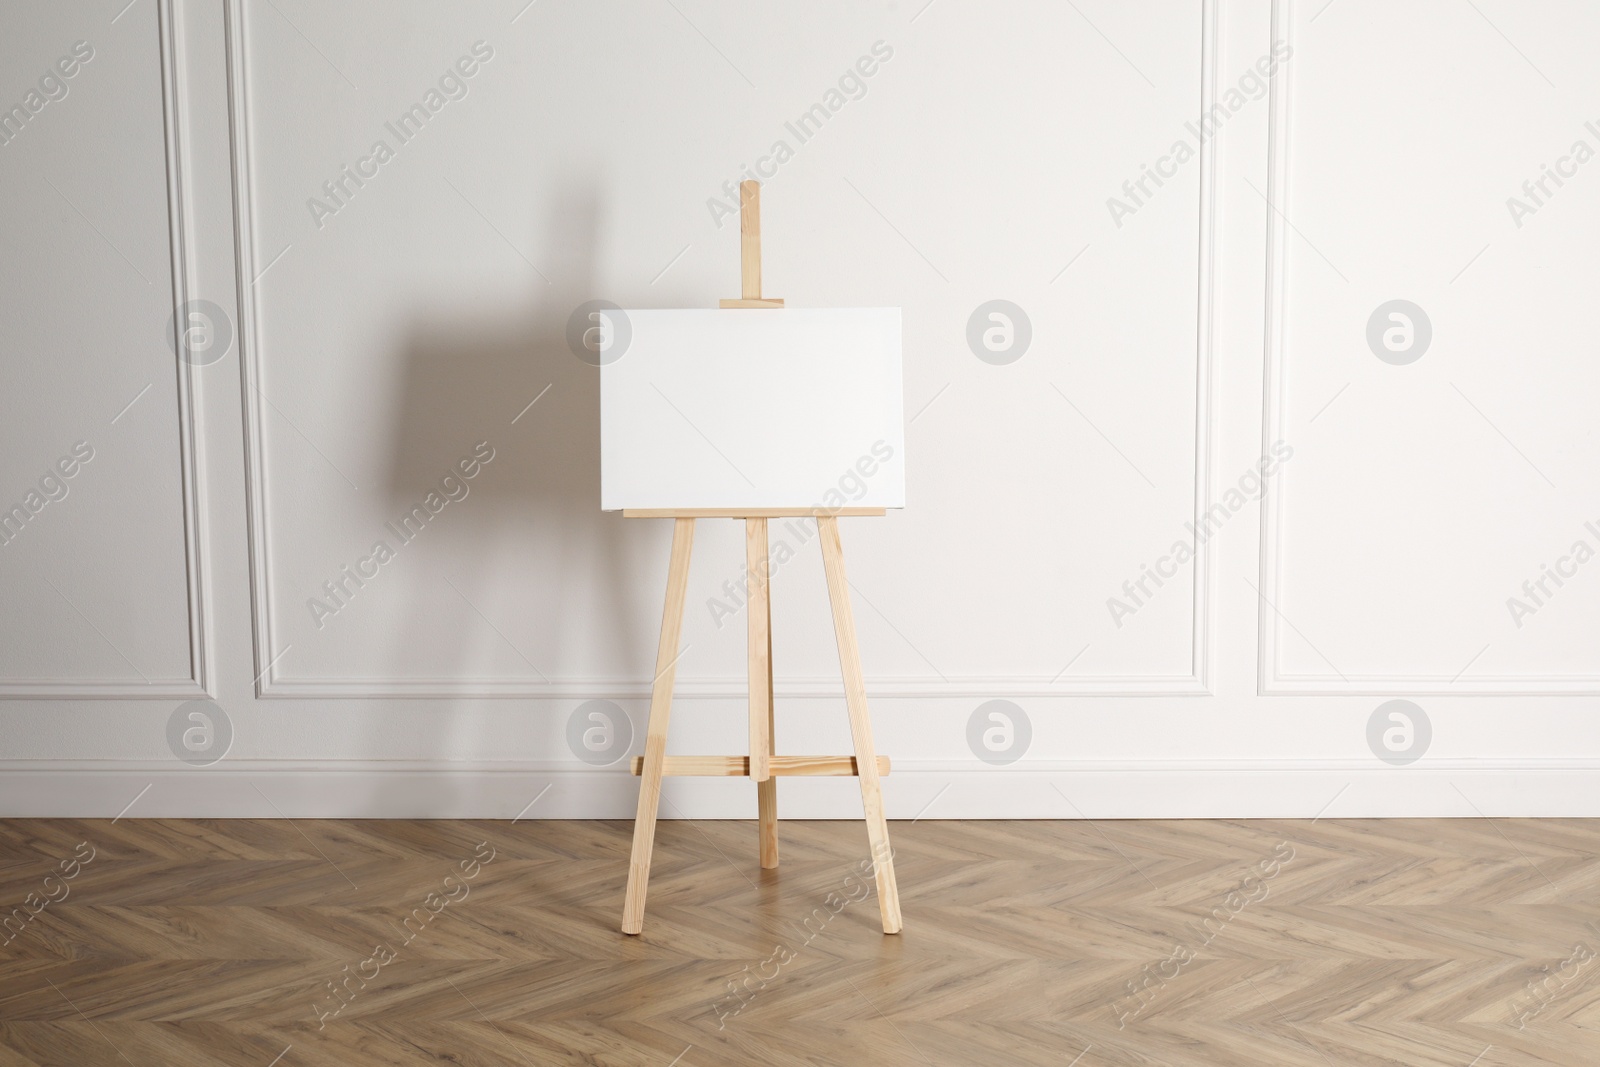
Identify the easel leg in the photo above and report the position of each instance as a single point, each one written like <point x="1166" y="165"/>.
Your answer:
<point x="855" y="695"/>
<point x="655" y="743"/>
<point x="759" y="648"/>
<point x="767" y="791"/>
<point x="760" y="663"/>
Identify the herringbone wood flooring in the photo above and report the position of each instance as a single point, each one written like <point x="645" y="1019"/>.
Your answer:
<point x="1229" y="943"/>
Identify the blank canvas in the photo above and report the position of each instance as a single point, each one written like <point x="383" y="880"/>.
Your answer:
<point x="752" y="408"/>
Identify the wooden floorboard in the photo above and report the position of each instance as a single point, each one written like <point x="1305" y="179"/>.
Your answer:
<point x="1134" y="944"/>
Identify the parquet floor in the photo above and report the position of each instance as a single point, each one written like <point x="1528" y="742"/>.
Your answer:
<point x="259" y="943"/>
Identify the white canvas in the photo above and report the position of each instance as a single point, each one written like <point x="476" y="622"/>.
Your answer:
<point x="758" y="408"/>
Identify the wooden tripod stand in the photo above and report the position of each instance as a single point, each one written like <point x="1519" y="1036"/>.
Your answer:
<point x="762" y="765"/>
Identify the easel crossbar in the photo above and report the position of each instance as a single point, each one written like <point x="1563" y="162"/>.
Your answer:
<point x="739" y="766"/>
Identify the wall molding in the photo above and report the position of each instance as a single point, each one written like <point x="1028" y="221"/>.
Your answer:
<point x="199" y="682"/>
<point x="272" y="684"/>
<point x="931" y="789"/>
<point x="894" y="687"/>
<point x="1205" y="303"/>
<point x="1271" y="613"/>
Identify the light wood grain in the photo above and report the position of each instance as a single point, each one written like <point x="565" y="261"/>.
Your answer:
<point x="655" y="743"/>
<point x="855" y="696"/>
<point x="767" y="791"/>
<point x="739" y="766"/>
<point x="750" y="251"/>
<point x="758" y="617"/>
<point x="764" y="303"/>
<point x="750" y="240"/>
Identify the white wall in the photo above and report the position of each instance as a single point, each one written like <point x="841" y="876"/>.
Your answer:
<point x="376" y="339"/>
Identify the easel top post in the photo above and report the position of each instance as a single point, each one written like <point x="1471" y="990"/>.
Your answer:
<point x="750" y="251"/>
<point x="750" y="240"/>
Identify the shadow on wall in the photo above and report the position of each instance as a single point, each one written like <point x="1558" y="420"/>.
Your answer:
<point x="534" y="490"/>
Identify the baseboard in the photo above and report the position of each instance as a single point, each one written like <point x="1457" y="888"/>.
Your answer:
<point x="928" y="789"/>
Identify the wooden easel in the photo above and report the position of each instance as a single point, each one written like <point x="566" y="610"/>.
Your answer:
<point x="763" y="765"/>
